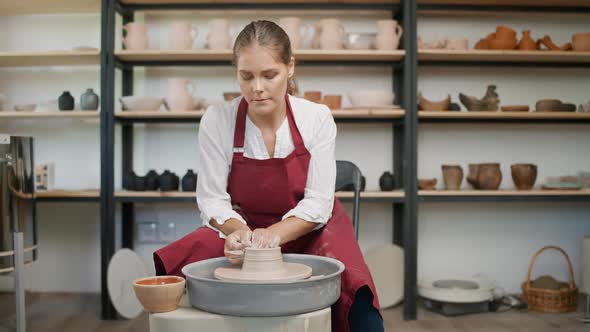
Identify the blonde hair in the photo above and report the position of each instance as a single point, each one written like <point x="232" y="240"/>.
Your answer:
<point x="271" y="35"/>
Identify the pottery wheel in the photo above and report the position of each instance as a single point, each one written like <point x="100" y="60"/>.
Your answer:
<point x="289" y="272"/>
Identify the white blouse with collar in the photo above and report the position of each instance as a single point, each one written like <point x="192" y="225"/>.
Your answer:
<point x="216" y="136"/>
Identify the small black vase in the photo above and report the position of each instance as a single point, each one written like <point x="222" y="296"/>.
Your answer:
<point x="140" y="182"/>
<point x="152" y="181"/>
<point x="129" y="181"/>
<point x="189" y="181"/>
<point x="66" y="101"/>
<point x="168" y="181"/>
<point x="386" y="181"/>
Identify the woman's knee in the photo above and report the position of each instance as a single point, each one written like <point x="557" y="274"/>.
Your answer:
<point x="363" y="316"/>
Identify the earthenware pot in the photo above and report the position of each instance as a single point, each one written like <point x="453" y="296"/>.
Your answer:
<point x="548" y="105"/>
<point x="389" y="33"/>
<point x="89" y="100"/>
<point x="546" y="40"/>
<point x="334" y="102"/>
<point x="135" y="36"/>
<point x="140" y="183"/>
<point x="160" y="293"/>
<point x="332" y="34"/>
<point x="66" y="101"/>
<point x="152" y="182"/>
<point x="581" y="42"/>
<point x="168" y="181"/>
<point x="488" y="103"/>
<point x="182" y="34"/>
<point x="524" y="175"/>
<point x="526" y="42"/>
<point x="452" y="176"/>
<point x="315" y="96"/>
<point x="189" y="181"/>
<point x="427" y="184"/>
<point x="442" y="105"/>
<point x="486" y="176"/>
<point x="180" y="94"/>
<point x="129" y="181"/>
<point x="386" y="181"/>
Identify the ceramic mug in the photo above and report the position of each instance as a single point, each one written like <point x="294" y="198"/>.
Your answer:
<point x="389" y="33"/>
<point x="457" y="43"/>
<point x="182" y="34"/>
<point x="136" y="36"/>
<point x="218" y="37"/>
<point x="292" y="26"/>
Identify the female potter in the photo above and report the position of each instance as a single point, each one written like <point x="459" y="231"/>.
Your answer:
<point x="267" y="176"/>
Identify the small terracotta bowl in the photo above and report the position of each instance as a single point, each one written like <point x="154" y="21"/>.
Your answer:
<point x="427" y="184"/>
<point x="160" y="293"/>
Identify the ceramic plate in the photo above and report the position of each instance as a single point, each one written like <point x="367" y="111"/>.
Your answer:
<point x="386" y="264"/>
<point x="562" y="186"/>
<point x="124" y="268"/>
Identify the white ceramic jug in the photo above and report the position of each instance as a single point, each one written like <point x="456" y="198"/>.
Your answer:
<point x="331" y="34"/>
<point x="389" y="33"/>
<point x="182" y="34"/>
<point x="180" y="94"/>
<point x="218" y="37"/>
<point x="292" y="26"/>
<point x="136" y="36"/>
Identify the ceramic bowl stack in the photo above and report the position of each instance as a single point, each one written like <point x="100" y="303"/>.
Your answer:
<point x="141" y="103"/>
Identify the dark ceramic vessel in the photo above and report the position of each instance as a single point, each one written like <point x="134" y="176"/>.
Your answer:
<point x="189" y="181"/>
<point x="386" y="181"/>
<point x="65" y="101"/>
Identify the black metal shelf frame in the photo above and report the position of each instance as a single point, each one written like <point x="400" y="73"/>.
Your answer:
<point x="404" y="129"/>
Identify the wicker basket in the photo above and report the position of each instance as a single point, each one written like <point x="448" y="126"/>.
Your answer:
<point x="547" y="300"/>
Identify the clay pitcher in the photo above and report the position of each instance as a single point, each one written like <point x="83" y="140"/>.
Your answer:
<point x="489" y="176"/>
<point x="136" y="36"/>
<point x="524" y="176"/>
<point x="527" y="43"/>
<point x="332" y="34"/>
<point x="218" y="37"/>
<point x="182" y="34"/>
<point x="292" y="26"/>
<point x="180" y="91"/>
<point x="452" y="176"/>
<point x="389" y="33"/>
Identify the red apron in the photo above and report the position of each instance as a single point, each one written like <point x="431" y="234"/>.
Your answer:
<point x="264" y="190"/>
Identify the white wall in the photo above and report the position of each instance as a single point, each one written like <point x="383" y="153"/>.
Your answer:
<point x="497" y="239"/>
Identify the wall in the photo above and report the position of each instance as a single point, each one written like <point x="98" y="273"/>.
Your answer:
<point x="462" y="239"/>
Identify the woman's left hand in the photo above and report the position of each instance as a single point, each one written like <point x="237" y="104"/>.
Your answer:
<point x="264" y="238"/>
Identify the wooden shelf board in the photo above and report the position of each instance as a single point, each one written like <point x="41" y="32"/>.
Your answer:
<point x="91" y="193"/>
<point x="503" y="56"/>
<point x="179" y="194"/>
<point x="502" y="192"/>
<point x="48" y="115"/>
<point x="151" y="2"/>
<point x="28" y="7"/>
<point x="504" y="115"/>
<point x="338" y="114"/>
<point x="226" y="55"/>
<point x="532" y="3"/>
<point x="49" y="58"/>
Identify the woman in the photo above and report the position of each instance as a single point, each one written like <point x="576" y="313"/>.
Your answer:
<point x="267" y="175"/>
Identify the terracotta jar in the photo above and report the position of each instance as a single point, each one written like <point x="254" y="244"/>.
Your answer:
<point x="487" y="176"/>
<point x="526" y="42"/>
<point x="581" y="42"/>
<point x="452" y="176"/>
<point x="334" y="102"/>
<point x="524" y="175"/>
<point x="504" y="32"/>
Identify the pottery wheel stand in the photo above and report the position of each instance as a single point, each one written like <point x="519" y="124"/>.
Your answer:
<point x="452" y="297"/>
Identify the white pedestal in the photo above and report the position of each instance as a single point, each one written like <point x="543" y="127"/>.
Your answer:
<point x="187" y="318"/>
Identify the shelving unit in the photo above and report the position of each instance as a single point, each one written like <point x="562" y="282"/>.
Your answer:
<point x="49" y="115"/>
<point x="519" y="117"/>
<point x="503" y="195"/>
<point x="90" y="195"/>
<point x="561" y="58"/>
<point x="403" y="121"/>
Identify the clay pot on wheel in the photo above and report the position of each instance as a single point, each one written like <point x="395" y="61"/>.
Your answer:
<point x="487" y="176"/>
<point x="524" y="175"/>
<point x="452" y="176"/>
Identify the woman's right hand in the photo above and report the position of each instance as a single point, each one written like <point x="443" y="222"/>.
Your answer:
<point x="235" y="243"/>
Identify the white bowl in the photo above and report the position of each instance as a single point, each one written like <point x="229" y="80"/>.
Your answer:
<point x="25" y="107"/>
<point x="141" y="103"/>
<point x="371" y="98"/>
<point x="359" y="41"/>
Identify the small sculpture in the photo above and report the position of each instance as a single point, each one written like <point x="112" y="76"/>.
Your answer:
<point x="489" y="102"/>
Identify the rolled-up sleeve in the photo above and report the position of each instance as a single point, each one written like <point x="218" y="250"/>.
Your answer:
<point x="318" y="200"/>
<point x="213" y="200"/>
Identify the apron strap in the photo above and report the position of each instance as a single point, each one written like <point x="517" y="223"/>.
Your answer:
<point x="240" y="130"/>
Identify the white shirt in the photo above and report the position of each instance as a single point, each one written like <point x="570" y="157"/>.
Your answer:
<point x="216" y="137"/>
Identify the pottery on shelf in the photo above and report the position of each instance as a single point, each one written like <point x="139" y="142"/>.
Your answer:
<point x="524" y="175"/>
<point x="159" y="293"/>
<point x="329" y="34"/>
<point x="527" y="43"/>
<point x="315" y="96"/>
<point x="581" y="42"/>
<point x="89" y="100"/>
<point x="218" y="36"/>
<point x="427" y="105"/>
<point x="452" y="176"/>
<point x="152" y="182"/>
<point x="371" y="98"/>
<point x="182" y="35"/>
<point x="168" y="181"/>
<point x="129" y="180"/>
<point x="140" y="103"/>
<point x="180" y="94"/>
<point x="66" y="101"/>
<point x="386" y="181"/>
<point x="503" y="39"/>
<point x="292" y="26"/>
<point x="427" y="184"/>
<point x="359" y="41"/>
<point x="189" y="181"/>
<point x="140" y="183"/>
<point x="554" y="105"/>
<point x="135" y="36"/>
<point x="334" y="102"/>
<point x="546" y="40"/>
<point x="515" y="108"/>
<point x="486" y="176"/>
<point x="454" y="107"/>
<point x="584" y="107"/>
<point x="263" y="265"/>
<point x="389" y="33"/>
<point x="488" y="103"/>
<point x="456" y="43"/>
